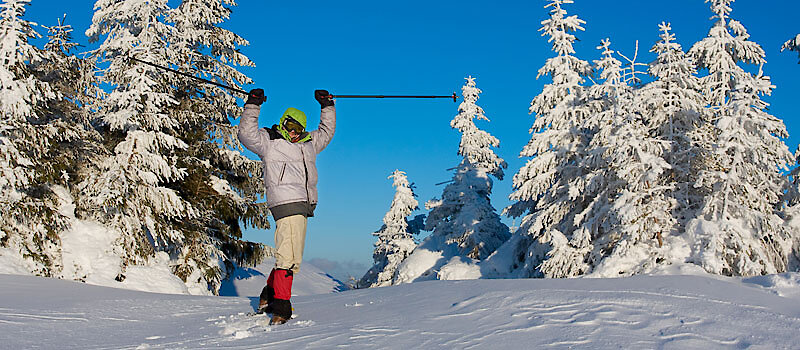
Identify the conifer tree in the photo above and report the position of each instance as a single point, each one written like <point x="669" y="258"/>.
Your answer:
<point x="396" y="236"/>
<point x="128" y="190"/>
<point x="648" y="147"/>
<point x="546" y="193"/>
<point x="610" y="103"/>
<point x="791" y="200"/>
<point x="738" y="231"/>
<point x="636" y="208"/>
<point x="174" y="179"/>
<point x="675" y="110"/>
<point x="464" y="216"/>
<point x="46" y="136"/>
<point x="221" y="183"/>
<point x="75" y="141"/>
<point x="792" y="197"/>
<point x="31" y="222"/>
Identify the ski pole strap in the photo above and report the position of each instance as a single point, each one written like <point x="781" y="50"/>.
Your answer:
<point x="453" y="96"/>
<point x="190" y="76"/>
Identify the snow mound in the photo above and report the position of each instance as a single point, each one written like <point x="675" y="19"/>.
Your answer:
<point x="434" y="259"/>
<point x="419" y="266"/>
<point x="13" y="263"/>
<point x="785" y="284"/>
<point x="459" y="268"/>
<point x="90" y="253"/>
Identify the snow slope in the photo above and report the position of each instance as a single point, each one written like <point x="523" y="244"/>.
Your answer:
<point x="644" y="312"/>
<point x="249" y="281"/>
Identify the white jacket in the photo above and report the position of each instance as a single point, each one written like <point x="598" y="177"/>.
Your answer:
<point x="290" y="170"/>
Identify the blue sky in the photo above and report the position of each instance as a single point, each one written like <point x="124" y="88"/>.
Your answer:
<point x="428" y="47"/>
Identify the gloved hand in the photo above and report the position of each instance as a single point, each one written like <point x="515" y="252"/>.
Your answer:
<point x="323" y="97"/>
<point x="256" y="97"/>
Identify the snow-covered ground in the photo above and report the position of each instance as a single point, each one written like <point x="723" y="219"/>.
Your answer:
<point x="645" y="312"/>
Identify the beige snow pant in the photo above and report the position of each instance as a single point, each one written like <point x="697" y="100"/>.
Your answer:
<point x="290" y="239"/>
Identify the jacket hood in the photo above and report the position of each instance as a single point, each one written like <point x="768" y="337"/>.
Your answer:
<point x="299" y="117"/>
<point x="295" y="114"/>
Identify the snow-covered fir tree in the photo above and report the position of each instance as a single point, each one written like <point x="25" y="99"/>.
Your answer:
<point x="396" y="237"/>
<point x="75" y="141"/>
<point x="675" y="110"/>
<point x="476" y="145"/>
<point x="221" y="183"/>
<point x="738" y="231"/>
<point x="173" y="178"/>
<point x="608" y="103"/>
<point x="546" y="193"/>
<point x="128" y="190"/>
<point x="652" y="152"/>
<point x="464" y="216"/>
<point x="31" y="222"/>
<point x="465" y="226"/>
<point x="47" y="134"/>
<point x="793" y="193"/>
<point x="46" y="137"/>
<point x="649" y="148"/>
<point x="633" y="211"/>
<point x="792" y="197"/>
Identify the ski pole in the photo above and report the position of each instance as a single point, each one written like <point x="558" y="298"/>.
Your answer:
<point x="191" y="76"/>
<point x="453" y="96"/>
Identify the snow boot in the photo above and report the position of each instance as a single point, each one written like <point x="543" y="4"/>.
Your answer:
<point x="281" y="311"/>
<point x="267" y="295"/>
